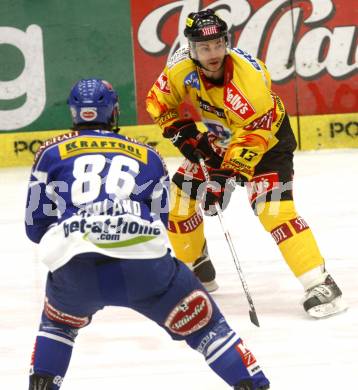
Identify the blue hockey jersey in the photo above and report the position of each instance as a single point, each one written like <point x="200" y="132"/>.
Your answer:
<point x="97" y="191"/>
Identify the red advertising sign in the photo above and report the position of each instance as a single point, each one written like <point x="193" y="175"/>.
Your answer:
<point x="309" y="47"/>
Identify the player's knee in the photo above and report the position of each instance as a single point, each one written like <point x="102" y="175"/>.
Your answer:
<point x="57" y="322"/>
<point x="187" y="235"/>
<point x="50" y="327"/>
<point x="274" y="214"/>
<point x="182" y="205"/>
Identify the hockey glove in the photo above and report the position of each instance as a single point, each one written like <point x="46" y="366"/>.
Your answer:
<point x="222" y="185"/>
<point x="189" y="140"/>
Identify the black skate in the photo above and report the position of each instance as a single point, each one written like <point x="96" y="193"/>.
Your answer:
<point x="247" y="385"/>
<point x="41" y="382"/>
<point x="204" y="270"/>
<point x="324" y="300"/>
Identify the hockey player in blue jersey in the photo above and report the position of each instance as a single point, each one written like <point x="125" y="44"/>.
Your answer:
<point x="97" y="206"/>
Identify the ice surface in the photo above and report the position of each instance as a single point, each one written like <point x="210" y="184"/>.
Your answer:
<point x="122" y="350"/>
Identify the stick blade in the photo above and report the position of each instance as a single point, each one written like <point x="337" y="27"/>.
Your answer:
<point x="253" y="318"/>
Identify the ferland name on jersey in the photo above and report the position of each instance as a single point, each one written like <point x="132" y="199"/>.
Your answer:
<point x="111" y="207"/>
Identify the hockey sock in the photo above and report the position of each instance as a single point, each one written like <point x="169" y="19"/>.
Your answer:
<point x="233" y="362"/>
<point x="52" y="357"/>
<point x="229" y="358"/>
<point x="52" y="351"/>
<point x="292" y="235"/>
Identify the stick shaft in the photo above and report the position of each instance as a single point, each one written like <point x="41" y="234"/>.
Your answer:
<point x="253" y="315"/>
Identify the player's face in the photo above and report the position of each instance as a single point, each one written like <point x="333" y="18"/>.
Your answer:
<point x="211" y="53"/>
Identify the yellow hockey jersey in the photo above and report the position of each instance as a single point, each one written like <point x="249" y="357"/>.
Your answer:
<point x="242" y="115"/>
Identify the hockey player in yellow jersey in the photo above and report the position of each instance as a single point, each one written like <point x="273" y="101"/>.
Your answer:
<point x="248" y="140"/>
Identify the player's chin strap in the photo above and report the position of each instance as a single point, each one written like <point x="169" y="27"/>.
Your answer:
<point x="115" y="121"/>
<point x="252" y="311"/>
<point x="116" y="128"/>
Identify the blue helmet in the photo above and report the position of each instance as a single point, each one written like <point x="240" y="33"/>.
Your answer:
<point x="93" y="101"/>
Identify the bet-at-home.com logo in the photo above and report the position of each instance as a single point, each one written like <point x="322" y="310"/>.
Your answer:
<point x="30" y="83"/>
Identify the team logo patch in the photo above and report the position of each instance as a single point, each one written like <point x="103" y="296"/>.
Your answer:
<point x="162" y="84"/>
<point x="167" y="117"/>
<point x="189" y="22"/>
<point x="248" y="57"/>
<point x="53" y="141"/>
<point x="236" y="102"/>
<point x="56" y="315"/>
<point x="83" y="145"/>
<point x="264" y="122"/>
<point x="191" y="314"/>
<point x="88" y="113"/>
<point x="299" y="224"/>
<point x="171" y="227"/>
<point x="248" y="358"/>
<point x="180" y="55"/>
<point x="191" y="223"/>
<point x="108" y="85"/>
<point x="58" y="380"/>
<point x="192" y="80"/>
<point x="155" y="107"/>
<point x="261" y="185"/>
<point x="210" y="30"/>
<point x="206" y="106"/>
<point x="190" y="171"/>
<point x="281" y="233"/>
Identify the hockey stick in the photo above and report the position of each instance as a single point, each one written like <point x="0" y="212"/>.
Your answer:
<point x="252" y="311"/>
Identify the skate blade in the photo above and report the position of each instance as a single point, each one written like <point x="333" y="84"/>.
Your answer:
<point x="325" y="310"/>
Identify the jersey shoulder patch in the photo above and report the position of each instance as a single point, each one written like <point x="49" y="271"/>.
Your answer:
<point x="247" y="57"/>
<point x="53" y="141"/>
<point x="180" y="55"/>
